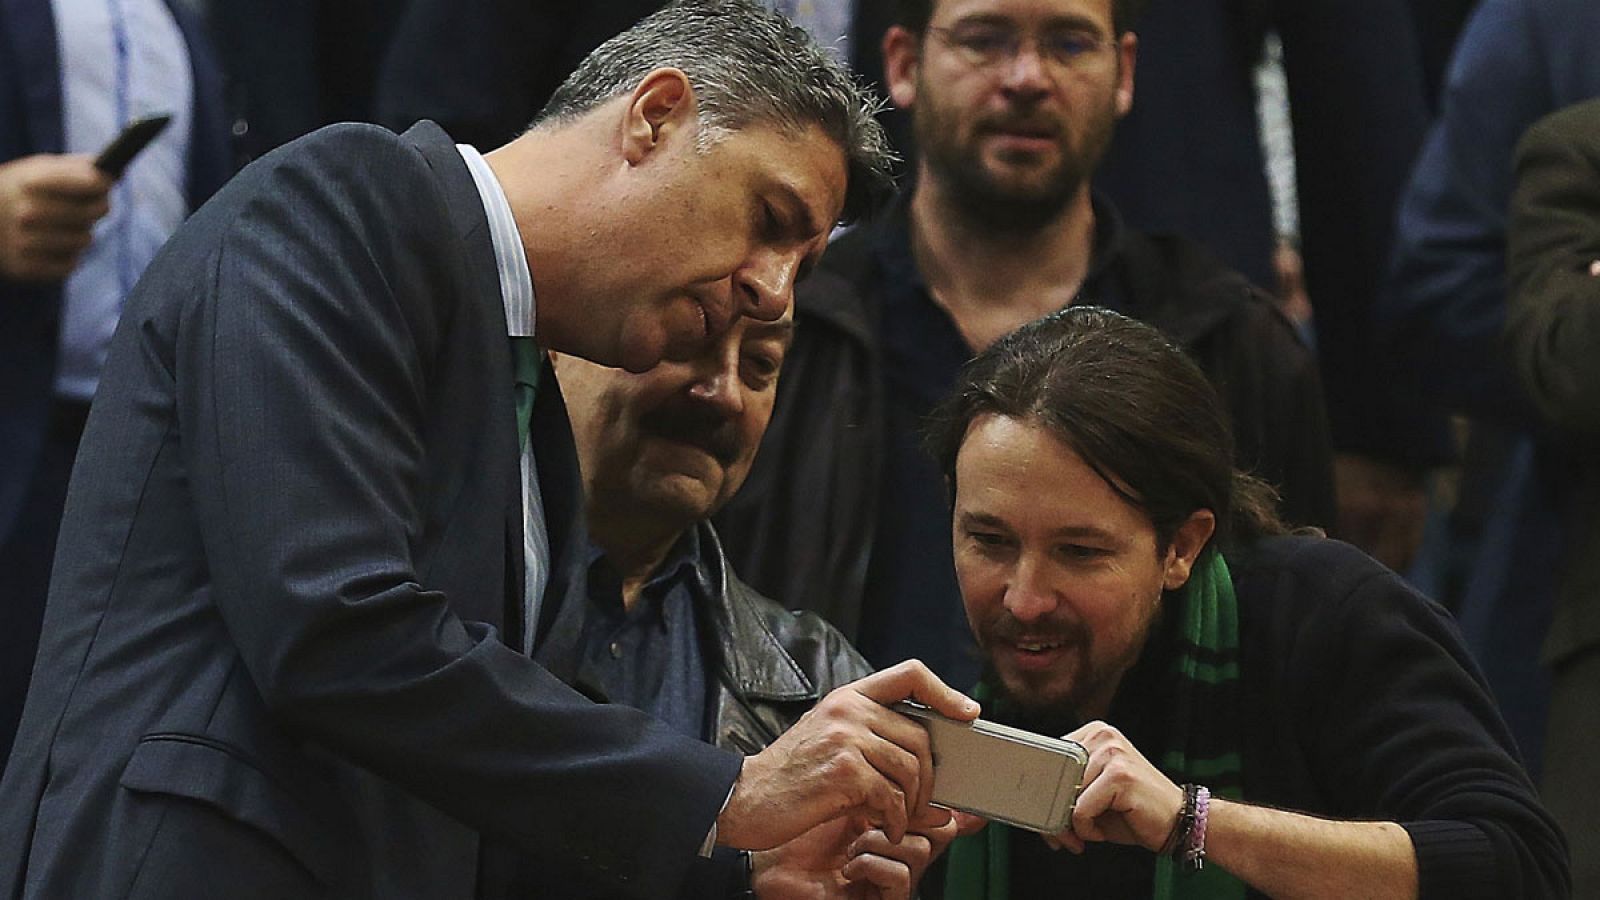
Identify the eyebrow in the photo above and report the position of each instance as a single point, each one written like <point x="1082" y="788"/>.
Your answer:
<point x="1069" y="531"/>
<point x="800" y="222"/>
<point x="802" y="218"/>
<point x="1053" y="23"/>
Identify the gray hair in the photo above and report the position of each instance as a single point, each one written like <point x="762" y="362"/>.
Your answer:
<point x="747" y="65"/>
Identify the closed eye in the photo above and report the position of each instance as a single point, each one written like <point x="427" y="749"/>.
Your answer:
<point x="988" y="538"/>
<point x="761" y="369"/>
<point x="772" y="225"/>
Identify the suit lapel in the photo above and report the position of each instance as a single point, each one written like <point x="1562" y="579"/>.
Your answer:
<point x="210" y="149"/>
<point x="32" y="29"/>
<point x="562" y="489"/>
<point x="471" y="225"/>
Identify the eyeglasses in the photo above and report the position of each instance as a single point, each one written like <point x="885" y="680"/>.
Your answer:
<point x="989" y="46"/>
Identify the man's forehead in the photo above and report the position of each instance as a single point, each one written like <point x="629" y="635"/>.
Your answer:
<point x="1033" y="11"/>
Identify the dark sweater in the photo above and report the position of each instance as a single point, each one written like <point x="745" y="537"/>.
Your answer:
<point x="1358" y="702"/>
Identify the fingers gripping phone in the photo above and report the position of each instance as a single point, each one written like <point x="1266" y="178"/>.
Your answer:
<point x="1001" y="773"/>
<point x="136" y="136"/>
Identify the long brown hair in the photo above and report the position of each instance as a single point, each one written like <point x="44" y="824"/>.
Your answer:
<point x="1127" y="401"/>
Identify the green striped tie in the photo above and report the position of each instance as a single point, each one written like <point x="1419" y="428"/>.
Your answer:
<point x="526" y="360"/>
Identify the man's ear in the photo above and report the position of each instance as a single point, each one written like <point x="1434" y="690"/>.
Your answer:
<point x="1127" y="59"/>
<point x="902" y="58"/>
<point x="1187" y="542"/>
<point x="661" y="108"/>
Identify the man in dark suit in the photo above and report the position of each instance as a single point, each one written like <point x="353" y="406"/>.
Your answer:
<point x="311" y="499"/>
<point x="65" y="264"/>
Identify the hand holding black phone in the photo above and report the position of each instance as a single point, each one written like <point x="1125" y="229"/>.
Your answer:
<point x="138" y="134"/>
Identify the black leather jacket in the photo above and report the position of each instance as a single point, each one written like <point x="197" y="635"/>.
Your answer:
<point x="767" y="665"/>
<point x="773" y="664"/>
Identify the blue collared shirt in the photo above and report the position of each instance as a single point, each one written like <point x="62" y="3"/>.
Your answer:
<point x="649" y="657"/>
<point x="120" y="59"/>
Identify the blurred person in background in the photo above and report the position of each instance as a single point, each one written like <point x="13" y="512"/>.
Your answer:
<point x="483" y="68"/>
<point x="1188" y="159"/>
<point x="294" y="66"/>
<point x="73" y="73"/>
<point x="1496" y="556"/>
<point x="1553" y="339"/>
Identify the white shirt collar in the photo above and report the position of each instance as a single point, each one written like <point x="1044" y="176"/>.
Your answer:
<point x="511" y="262"/>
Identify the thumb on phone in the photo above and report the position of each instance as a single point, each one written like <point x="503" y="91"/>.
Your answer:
<point x="915" y="681"/>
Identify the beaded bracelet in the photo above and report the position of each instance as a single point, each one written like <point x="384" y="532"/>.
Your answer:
<point x="1195" y="855"/>
<point x="1178" y="839"/>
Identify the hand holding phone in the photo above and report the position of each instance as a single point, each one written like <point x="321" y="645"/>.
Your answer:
<point x="49" y="204"/>
<point x="136" y="136"/>
<point x="1001" y="773"/>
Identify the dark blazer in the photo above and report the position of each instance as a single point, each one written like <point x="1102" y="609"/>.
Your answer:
<point x="31" y="122"/>
<point x="1442" y="313"/>
<point x="272" y="662"/>
<point x="483" y="68"/>
<point x="297" y="65"/>
<point x="1553" y="333"/>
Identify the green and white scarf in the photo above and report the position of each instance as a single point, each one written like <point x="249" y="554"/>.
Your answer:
<point x="1201" y="749"/>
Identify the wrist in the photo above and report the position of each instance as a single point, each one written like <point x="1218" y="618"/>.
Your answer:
<point x="1185" y="843"/>
<point x="729" y="825"/>
<point x="1193" y="857"/>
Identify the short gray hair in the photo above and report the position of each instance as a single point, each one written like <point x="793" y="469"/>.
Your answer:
<point x="748" y="66"/>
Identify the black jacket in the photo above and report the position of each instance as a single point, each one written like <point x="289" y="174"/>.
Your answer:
<point x="773" y="664"/>
<point x="766" y="667"/>
<point x="802" y="528"/>
<point x="769" y="665"/>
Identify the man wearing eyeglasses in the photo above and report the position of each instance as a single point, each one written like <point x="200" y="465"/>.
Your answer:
<point x="1013" y="105"/>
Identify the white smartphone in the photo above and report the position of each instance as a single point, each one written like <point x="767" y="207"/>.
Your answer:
<point x="1001" y="773"/>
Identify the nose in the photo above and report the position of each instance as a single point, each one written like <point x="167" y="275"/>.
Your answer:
<point x="716" y="382"/>
<point x="766" y="284"/>
<point x="1027" y="71"/>
<point x="1029" y="596"/>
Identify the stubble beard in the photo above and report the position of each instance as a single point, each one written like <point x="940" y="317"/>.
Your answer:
<point x="1050" y="695"/>
<point x="1053" y="705"/>
<point x="1005" y="203"/>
